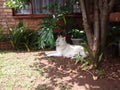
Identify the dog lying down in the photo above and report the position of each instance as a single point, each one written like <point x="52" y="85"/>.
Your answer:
<point x="66" y="50"/>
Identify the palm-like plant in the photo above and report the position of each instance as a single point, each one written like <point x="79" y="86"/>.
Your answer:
<point x="46" y="38"/>
<point x="16" y="35"/>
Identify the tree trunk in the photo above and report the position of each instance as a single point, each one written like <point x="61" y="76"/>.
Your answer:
<point x="96" y="30"/>
<point x="86" y="24"/>
<point x="104" y="24"/>
<point x="104" y="15"/>
<point x="97" y="38"/>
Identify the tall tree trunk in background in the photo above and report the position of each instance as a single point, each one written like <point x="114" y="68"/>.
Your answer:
<point x="96" y="36"/>
<point x="105" y="7"/>
<point x="86" y="24"/>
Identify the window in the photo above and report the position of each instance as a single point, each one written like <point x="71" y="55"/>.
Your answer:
<point x="45" y="7"/>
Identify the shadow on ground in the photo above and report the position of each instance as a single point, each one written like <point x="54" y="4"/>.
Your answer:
<point x="60" y="73"/>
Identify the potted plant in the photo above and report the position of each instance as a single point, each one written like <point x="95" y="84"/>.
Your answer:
<point x="77" y="36"/>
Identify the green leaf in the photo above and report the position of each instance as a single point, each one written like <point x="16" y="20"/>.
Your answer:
<point x="100" y="57"/>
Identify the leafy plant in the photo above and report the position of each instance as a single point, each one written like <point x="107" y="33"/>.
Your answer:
<point x="29" y="39"/>
<point x="66" y="8"/>
<point x="99" y="57"/>
<point x="15" y="3"/>
<point x="16" y="35"/>
<point x="22" y="37"/>
<point x="79" y="58"/>
<point x="46" y="38"/>
<point x="75" y="33"/>
<point x="100" y="73"/>
<point x="88" y="61"/>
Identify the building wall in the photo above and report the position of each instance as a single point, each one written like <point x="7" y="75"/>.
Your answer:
<point x="7" y="20"/>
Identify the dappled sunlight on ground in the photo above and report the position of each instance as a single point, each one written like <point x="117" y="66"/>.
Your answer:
<point x="36" y="71"/>
<point x="63" y="73"/>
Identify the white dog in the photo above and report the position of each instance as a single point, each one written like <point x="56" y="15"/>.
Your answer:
<point x="66" y="50"/>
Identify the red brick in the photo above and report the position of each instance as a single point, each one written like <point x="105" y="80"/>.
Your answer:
<point x="6" y="16"/>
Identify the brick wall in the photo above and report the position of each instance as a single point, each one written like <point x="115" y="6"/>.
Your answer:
<point x="7" y="20"/>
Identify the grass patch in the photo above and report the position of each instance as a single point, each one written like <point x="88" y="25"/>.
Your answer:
<point x="33" y="71"/>
<point x="15" y="71"/>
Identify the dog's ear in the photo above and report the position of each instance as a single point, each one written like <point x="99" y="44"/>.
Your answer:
<point x="58" y="36"/>
<point x="64" y="38"/>
<point x="61" y="36"/>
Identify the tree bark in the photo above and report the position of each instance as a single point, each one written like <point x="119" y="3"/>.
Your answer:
<point x="104" y="15"/>
<point x="104" y="24"/>
<point x="97" y="38"/>
<point x="86" y="24"/>
<point x="96" y="29"/>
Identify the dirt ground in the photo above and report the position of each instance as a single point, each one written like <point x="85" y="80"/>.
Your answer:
<point x="58" y="73"/>
<point x="69" y="76"/>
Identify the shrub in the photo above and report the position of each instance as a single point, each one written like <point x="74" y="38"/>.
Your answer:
<point x="29" y="39"/>
<point x="21" y="37"/>
<point x="16" y="35"/>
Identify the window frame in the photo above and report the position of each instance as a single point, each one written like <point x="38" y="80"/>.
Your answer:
<point x="32" y="15"/>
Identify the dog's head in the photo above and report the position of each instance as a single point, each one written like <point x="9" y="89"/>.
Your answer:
<point x="60" y="41"/>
